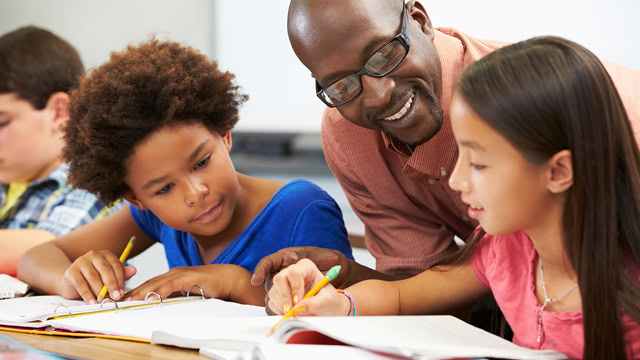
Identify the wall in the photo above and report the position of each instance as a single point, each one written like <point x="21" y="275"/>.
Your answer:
<point x="249" y="38"/>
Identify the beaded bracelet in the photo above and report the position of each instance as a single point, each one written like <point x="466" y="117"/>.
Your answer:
<point x="352" y="303"/>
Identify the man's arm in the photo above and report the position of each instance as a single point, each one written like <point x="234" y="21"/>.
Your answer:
<point x="14" y="243"/>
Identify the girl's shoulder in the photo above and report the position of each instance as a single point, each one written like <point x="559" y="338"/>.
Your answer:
<point x="512" y="247"/>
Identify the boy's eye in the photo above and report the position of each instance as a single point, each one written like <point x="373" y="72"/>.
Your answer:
<point x="4" y="123"/>
<point x="477" y="166"/>
<point x="165" y="189"/>
<point x="203" y="162"/>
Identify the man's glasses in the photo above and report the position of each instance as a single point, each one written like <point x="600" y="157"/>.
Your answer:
<point x="381" y="63"/>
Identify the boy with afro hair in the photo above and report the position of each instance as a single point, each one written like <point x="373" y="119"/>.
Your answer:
<point x="152" y="126"/>
<point x="37" y="71"/>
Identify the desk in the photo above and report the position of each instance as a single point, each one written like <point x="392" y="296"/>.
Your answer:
<point x="95" y="348"/>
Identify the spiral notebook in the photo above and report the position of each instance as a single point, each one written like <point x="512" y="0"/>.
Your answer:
<point x="54" y="315"/>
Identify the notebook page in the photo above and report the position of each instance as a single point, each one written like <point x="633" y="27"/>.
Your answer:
<point x="11" y="287"/>
<point x="22" y="311"/>
<point x="416" y="336"/>
<point x="33" y="311"/>
<point x="191" y="317"/>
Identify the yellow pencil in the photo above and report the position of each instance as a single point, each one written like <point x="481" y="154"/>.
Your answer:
<point x="123" y="257"/>
<point x="330" y="275"/>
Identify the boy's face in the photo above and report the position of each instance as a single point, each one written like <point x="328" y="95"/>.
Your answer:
<point x="30" y="142"/>
<point x="184" y="175"/>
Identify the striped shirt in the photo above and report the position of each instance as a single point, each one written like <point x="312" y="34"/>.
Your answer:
<point x="53" y="205"/>
<point x="403" y="198"/>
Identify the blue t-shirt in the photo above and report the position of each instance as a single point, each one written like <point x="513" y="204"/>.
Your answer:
<point x="299" y="214"/>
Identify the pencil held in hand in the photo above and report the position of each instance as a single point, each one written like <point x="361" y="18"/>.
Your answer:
<point x="123" y="258"/>
<point x="329" y="276"/>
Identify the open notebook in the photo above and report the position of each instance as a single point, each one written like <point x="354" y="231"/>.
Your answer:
<point x="197" y="325"/>
<point x="211" y="324"/>
<point x="55" y="315"/>
<point x="424" y="337"/>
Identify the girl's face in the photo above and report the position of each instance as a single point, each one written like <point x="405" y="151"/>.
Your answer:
<point x="184" y="175"/>
<point x="505" y="192"/>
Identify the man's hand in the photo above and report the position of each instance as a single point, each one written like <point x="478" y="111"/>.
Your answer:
<point x="324" y="259"/>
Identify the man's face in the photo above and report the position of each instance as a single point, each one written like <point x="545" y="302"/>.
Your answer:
<point x="335" y="39"/>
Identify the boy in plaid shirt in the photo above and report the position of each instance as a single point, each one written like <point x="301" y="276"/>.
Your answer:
<point x="37" y="70"/>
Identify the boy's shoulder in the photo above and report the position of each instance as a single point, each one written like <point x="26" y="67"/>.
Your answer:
<point x="300" y="193"/>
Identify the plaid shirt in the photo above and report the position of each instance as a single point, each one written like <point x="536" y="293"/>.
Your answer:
<point x="53" y="205"/>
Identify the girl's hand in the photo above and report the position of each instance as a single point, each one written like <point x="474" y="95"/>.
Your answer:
<point x="291" y="284"/>
<point x="86" y="276"/>
<point x="222" y="281"/>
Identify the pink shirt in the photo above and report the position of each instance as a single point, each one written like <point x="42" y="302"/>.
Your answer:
<point x="410" y="213"/>
<point x="506" y="265"/>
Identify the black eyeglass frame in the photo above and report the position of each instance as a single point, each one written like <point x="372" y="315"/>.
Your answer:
<point x="402" y="37"/>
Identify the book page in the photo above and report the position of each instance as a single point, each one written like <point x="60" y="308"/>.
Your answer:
<point x="414" y="336"/>
<point x="24" y="311"/>
<point x="190" y="318"/>
<point x="11" y="287"/>
<point x="34" y="311"/>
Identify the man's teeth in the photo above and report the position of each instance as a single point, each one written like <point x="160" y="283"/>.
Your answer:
<point x="402" y="111"/>
<point x="476" y="207"/>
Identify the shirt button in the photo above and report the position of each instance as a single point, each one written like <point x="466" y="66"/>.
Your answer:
<point x="443" y="171"/>
<point x="431" y="181"/>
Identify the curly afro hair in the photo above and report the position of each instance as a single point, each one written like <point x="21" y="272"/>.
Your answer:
<point x="137" y="92"/>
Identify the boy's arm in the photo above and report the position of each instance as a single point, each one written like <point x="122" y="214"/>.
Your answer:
<point x="223" y="281"/>
<point x="14" y="243"/>
<point x="43" y="267"/>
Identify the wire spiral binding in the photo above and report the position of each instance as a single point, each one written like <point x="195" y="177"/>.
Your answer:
<point x="115" y="303"/>
<point x="201" y="291"/>
<point x="150" y="293"/>
<point x="55" y="310"/>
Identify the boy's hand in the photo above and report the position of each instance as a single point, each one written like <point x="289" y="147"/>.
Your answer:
<point x="86" y="276"/>
<point x="222" y="281"/>
<point x="291" y="284"/>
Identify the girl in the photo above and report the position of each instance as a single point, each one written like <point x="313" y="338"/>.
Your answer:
<point x="550" y="169"/>
<point x="153" y="125"/>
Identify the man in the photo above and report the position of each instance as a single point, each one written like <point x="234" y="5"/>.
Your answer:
<point x="387" y="137"/>
<point x="37" y="71"/>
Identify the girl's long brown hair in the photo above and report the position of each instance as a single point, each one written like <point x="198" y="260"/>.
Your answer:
<point x="548" y="94"/>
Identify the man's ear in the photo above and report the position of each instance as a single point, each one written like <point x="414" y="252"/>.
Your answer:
<point x="133" y="200"/>
<point x="58" y="105"/>
<point x="419" y="14"/>
<point x="226" y="139"/>
<point x="560" y="172"/>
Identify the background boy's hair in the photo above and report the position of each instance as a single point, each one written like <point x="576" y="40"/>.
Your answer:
<point x="35" y="64"/>
<point x="136" y="93"/>
<point x="549" y="94"/>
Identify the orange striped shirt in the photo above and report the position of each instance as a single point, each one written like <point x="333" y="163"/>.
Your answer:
<point x="410" y="213"/>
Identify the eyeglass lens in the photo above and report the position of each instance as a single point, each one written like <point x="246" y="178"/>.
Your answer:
<point x="379" y="64"/>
